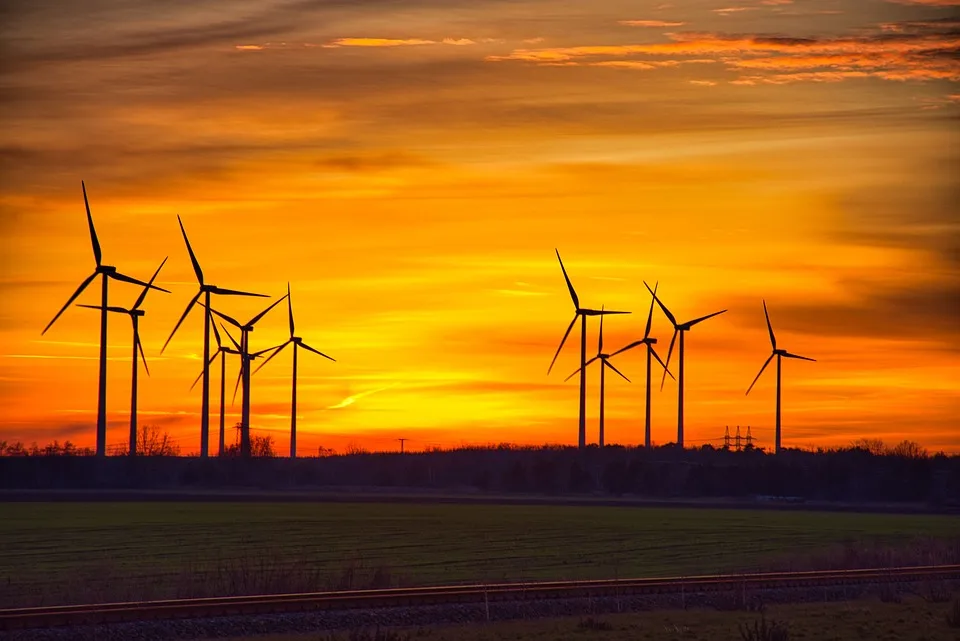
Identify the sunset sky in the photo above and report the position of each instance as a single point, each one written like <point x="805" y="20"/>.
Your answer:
<point x="410" y="168"/>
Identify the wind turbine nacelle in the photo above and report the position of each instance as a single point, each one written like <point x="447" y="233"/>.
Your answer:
<point x="106" y="269"/>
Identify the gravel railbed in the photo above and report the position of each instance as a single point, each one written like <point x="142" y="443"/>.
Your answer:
<point x="402" y="616"/>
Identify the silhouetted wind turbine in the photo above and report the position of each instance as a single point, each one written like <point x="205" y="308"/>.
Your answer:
<point x="296" y="341"/>
<point x="205" y="289"/>
<point x="779" y="353"/>
<point x="106" y="272"/>
<point x="649" y="342"/>
<point x="604" y="364"/>
<point x="245" y="357"/>
<point x="581" y="313"/>
<point x="222" y="352"/>
<point x="678" y="328"/>
<point x="135" y="313"/>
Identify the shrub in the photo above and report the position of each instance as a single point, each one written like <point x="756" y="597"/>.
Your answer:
<point x="762" y="630"/>
<point x="594" y="624"/>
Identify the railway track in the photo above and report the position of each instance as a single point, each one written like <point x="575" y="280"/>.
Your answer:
<point x="72" y="615"/>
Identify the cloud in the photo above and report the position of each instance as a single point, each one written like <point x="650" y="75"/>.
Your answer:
<point x="651" y="23"/>
<point x="397" y="42"/>
<point x="916" y="50"/>
<point x="350" y="400"/>
<point x="928" y="3"/>
<point x="703" y="83"/>
<point x="730" y="10"/>
<point x="147" y="43"/>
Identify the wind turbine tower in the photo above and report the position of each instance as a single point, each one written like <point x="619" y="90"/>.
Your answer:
<point x="581" y="313"/>
<point x="245" y="358"/>
<point x="105" y="272"/>
<point x="604" y="364"/>
<point x="780" y="354"/>
<point x="297" y="342"/>
<point x="134" y="313"/>
<point x="678" y="328"/>
<point x="206" y="290"/>
<point x="651" y="352"/>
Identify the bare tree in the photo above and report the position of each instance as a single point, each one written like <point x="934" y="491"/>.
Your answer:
<point x="152" y="442"/>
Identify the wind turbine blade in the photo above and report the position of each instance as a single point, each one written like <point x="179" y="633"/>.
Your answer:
<point x="143" y="356"/>
<point x="235" y="292"/>
<point x="662" y="364"/>
<point x="667" y="364"/>
<point x="290" y="309"/>
<point x="803" y="358"/>
<point x="97" y="255"/>
<point x="278" y="349"/>
<point x="239" y="377"/>
<point x="134" y="281"/>
<point x="305" y="346"/>
<point x="600" y="341"/>
<point x="232" y="340"/>
<point x="216" y="336"/>
<point x="196" y="380"/>
<point x="573" y="293"/>
<point x="587" y="364"/>
<point x="143" y="294"/>
<point x="190" y="305"/>
<point x="193" y="257"/>
<point x="662" y="306"/>
<point x="564" y="340"/>
<point x="613" y="367"/>
<point x="230" y="320"/>
<point x="703" y="318"/>
<point x="646" y="332"/>
<point x="254" y="320"/>
<point x="628" y="347"/>
<point x="209" y="362"/>
<point x="607" y="312"/>
<point x="773" y="339"/>
<point x="79" y="291"/>
<point x="767" y="362"/>
<point x="110" y="308"/>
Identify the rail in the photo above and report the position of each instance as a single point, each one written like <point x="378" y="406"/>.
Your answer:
<point x="72" y="615"/>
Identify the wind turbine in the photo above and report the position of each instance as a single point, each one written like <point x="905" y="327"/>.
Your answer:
<point x="649" y="342"/>
<point x="296" y="341"/>
<point x="206" y="290"/>
<point x="106" y="272"/>
<point x="604" y="364"/>
<point x="779" y="353"/>
<point x="135" y="313"/>
<point x="245" y="357"/>
<point x="581" y="313"/>
<point x="678" y="328"/>
<point x="222" y="352"/>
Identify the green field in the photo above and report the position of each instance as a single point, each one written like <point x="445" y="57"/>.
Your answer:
<point x="912" y="620"/>
<point x="82" y="552"/>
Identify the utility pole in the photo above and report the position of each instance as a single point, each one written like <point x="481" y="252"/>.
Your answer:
<point x="749" y="439"/>
<point x="726" y="438"/>
<point x="401" y="443"/>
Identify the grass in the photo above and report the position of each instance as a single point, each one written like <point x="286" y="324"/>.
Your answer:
<point x="912" y="620"/>
<point x="79" y="552"/>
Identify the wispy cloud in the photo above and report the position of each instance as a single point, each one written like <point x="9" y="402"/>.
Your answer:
<point x="396" y="42"/>
<point x="651" y="23"/>
<point x="350" y="400"/>
<point x="731" y="10"/>
<point x="893" y="51"/>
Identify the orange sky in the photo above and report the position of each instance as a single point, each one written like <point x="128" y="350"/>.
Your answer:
<point x="410" y="168"/>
